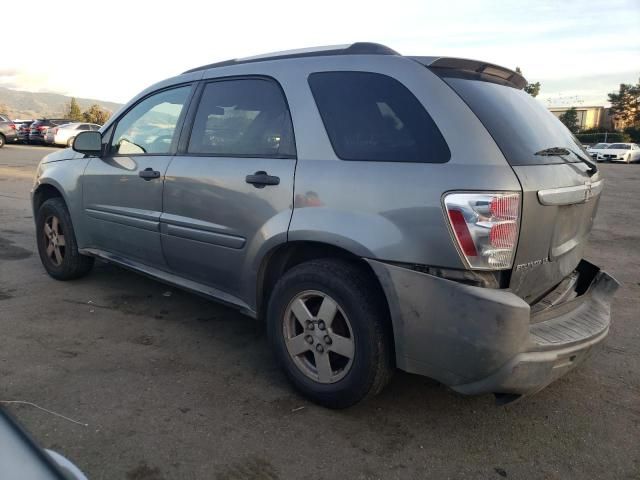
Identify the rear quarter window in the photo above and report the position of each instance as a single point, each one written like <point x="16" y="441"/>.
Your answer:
<point x="373" y="117"/>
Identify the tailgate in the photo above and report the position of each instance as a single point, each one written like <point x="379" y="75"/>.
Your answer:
<point x="560" y="184"/>
<point x="559" y="203"/>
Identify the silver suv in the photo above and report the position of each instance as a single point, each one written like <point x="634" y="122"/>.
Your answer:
<point x="378" y="211"/>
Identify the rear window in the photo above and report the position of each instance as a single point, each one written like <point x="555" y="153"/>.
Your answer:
<point x="520" y="125"/>
<point x="369" y="116"/>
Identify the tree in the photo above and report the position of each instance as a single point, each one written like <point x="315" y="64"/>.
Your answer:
<point x="532" y="89"/>
<point x="96" y="114"/>
<point x="570" y="119"/>
<point x="625" y="105"/>
<point x="72" y="111"/>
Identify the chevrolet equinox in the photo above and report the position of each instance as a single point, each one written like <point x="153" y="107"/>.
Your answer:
<point x="378" y="211"/>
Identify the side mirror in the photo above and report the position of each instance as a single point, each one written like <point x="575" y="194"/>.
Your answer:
<point x="89" y="143"/>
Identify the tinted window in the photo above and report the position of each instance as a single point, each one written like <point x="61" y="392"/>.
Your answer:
<point x="247" y="117"/>
<point x="520" y="125"/>
<point x="149" y="127"/>
<point x="369" y="116"/>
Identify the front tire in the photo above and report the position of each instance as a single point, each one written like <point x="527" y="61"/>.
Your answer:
<point x="57" y="244"/>
<point x="329" y="328"/>
<point x="2" y="140"/>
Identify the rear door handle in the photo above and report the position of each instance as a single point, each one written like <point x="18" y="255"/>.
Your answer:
<point x="149" y="174"/>
<point x="261" y="178"/>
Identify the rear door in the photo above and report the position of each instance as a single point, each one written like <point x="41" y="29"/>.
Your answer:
<point x="231" y="187"/>
<point x="560" y="184"/>
<point x="122" y="190"/>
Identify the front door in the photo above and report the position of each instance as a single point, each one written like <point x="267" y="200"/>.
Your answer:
<point x="232" y="190"/>
<point x="122" y="190"/>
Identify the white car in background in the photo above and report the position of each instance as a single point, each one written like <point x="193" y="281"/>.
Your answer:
<point x="620" y="152"/>
<point x="64" y="134"/>
<point x="596" y="149"/>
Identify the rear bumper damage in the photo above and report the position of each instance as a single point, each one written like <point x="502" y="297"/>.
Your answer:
<point x="480" y="340"/>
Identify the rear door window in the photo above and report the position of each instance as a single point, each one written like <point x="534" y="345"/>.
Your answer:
<point x="373" y="117"/>
<point x="244" y="117"/>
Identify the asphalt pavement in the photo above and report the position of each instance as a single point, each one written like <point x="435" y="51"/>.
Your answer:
<point x="173" y="386"/>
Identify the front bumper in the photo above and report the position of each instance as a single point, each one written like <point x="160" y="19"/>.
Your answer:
<point x="480" y="340"/>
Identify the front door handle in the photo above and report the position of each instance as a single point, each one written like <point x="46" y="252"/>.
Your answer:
<point x="261" y="178"/>
<point x="149" y="174"/>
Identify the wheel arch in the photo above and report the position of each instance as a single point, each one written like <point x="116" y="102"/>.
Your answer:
<point x="44" y="192"/>
<point x="285" y="256"/>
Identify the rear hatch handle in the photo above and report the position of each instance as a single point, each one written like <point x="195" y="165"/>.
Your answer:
<point x="570" y="195"/>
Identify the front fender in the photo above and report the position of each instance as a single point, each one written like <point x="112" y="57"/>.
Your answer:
<point x="66" y="178"/>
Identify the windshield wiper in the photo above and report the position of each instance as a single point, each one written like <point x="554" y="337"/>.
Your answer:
<point x="562" y="151"/>
<point x="553" y="152"/>
<point x="592" y="166"/>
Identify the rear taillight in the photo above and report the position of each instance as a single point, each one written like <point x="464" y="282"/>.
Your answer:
<point x="485" y="227"/>
<point x="12" y="126"/>
<point x="41" y="128"/>
<point x="55" y="130"/>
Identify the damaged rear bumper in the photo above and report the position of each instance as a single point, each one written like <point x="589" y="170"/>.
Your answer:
<point x="480" y="340"/>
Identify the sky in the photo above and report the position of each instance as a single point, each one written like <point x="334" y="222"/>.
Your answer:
<point x="578" y="50"/>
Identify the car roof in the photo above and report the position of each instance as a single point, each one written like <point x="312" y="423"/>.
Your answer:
<point x="358" y="48"/>
<point x="511" y="77"/>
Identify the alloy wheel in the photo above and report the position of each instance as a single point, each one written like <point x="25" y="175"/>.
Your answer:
<point x="54" y="240"/>
<point x="318" y="336"/>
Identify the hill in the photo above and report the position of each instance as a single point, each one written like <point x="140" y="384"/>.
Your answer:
<point x="23" y="105"/>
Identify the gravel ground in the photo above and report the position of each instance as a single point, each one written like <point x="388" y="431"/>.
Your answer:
<point x="173" y="386"/>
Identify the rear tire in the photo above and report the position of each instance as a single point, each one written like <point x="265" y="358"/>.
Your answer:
<point x="70" y="142"/>
<point x="339" y="355"/>
<point x="2" y="140"/>
<point x="57" y="244"/>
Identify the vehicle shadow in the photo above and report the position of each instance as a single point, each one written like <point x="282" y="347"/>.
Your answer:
<point x="239" y="343"/>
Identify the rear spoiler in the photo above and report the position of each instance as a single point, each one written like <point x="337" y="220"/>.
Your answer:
<point x="488" y="71"/>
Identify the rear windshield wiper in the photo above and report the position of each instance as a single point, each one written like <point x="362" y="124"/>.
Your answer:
<point x="562" y="151"/>
<point x="553" y="152"/>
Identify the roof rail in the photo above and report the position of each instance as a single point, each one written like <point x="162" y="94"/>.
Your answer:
<point x="358" y="48"/>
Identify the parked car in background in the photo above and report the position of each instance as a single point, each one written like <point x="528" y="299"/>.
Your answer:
<point x="38" y="129"/>
<point x="620" y="152"/>
<point x="8" y="132"/>
<point x="420" y="213"/>
<point x="597" y="148"/>
<point x="23" y="131"/>
<point x="64" y="134"/>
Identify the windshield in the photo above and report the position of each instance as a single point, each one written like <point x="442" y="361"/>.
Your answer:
<point x="600" y="145"/>
<point x="519" y="124"/>
<point x="619" y="146"/>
